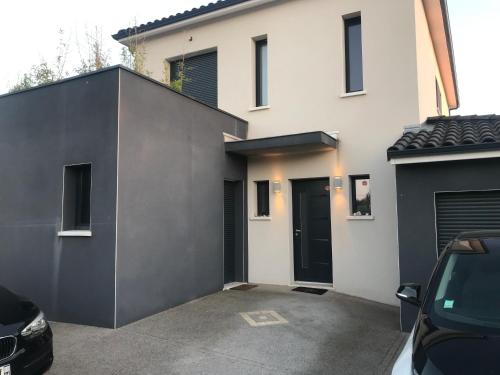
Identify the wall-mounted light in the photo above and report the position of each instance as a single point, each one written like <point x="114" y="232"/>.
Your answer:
<point x="338" y="183"/>
<point x="276" y="186"/>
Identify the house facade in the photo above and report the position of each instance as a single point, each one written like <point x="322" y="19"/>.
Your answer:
<point x="325" y="86"/>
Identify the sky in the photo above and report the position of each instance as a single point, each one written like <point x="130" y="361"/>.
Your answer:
<point x="30" y="33"/>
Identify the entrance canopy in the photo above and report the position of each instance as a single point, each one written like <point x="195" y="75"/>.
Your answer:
<point x="304" y="142"/>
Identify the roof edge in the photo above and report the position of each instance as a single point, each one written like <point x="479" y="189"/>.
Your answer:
<point x="124" y="68"/>
<point x="189" y="18"/>
<point x="451" y="51"/>
<point x="436" y="12"/>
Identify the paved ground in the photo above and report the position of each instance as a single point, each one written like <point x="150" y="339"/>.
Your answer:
<point x="328" y="334"/>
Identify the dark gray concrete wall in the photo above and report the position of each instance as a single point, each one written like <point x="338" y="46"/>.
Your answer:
<point x="41" y="130"/>
<point x="172" y="168"/>
<point x="416" y="185"/>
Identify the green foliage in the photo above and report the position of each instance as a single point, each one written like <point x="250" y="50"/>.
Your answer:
<point x="133" y="55"/>
<point x="94" y="56"/>
<point x="181" y="76"/>
<point x="39" y="74"/>
<point x="43" y="73"/>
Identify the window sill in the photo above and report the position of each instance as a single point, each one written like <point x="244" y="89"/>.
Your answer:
<point x="260" y="218"/>
<point x="351" y="94"/>
<point x="367" y="217"/>
<point x="261" y="108"/>
<point x="75" y="233"/>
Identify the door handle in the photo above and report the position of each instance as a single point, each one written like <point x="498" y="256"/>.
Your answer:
<point x="297" y="232"/>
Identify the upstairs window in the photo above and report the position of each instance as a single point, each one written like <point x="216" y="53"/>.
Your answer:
<point x="262" y="198"/>
<point x="361" y="204"/>
<point x="196" y="76"/>
<point x="439" y="100"/>
<point x="261" y="73"/>
<point x="76" y="197"/>
<point x="353" y="54"/>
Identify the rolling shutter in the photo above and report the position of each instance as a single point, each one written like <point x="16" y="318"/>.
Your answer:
<point x="465" y="211"/>
<point x="229" y="231"/>
<point x="201" y="77"/>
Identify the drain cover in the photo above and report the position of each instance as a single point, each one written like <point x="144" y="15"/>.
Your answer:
<point x="263" y="318"/>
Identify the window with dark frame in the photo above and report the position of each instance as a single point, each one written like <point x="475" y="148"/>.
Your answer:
<point x="353" y="54"/>
<point x="76" y="199"/>
<point x="262" y="198"/>
<point x="361" y="195"/>
<point x="261" y="73"/>
<point x="439" y="102"/>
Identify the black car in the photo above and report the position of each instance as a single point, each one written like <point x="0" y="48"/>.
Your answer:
<point x="457" y="331"/>
<point x="25" y="337"/>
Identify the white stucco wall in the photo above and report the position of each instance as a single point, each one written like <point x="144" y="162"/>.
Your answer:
<point x="306" y="80"/>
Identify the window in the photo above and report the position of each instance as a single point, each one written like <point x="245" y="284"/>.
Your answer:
<point x="460" y="294"/>
<point x="353" y="54"/>
<point x="261" y="73"/>
<point x="262" y="198"/>
<point x="361" y="196"/>
<point x="439" y="102"/>
<point x="196" y="76"/>
<point x="76" y="200"/>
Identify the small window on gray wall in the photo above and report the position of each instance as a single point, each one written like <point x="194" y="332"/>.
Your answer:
<point x="361" y="204"/>
<point x="261" y="73"/>
<point x="262" y="198"/>
<point x="353" y="54"/>
<point x="76" y="200"/>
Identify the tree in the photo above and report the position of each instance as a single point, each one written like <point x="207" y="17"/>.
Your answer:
<point x="181" y="77"/>
<point x="94" y="55"/>
<point x="39" y="74"/>
<point x="43" y="73"/>
<point x="133" y="54"/>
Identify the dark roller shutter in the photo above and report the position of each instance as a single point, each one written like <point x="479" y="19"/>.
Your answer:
<point x="465" y="211"/>
<point x="229" y="231"/>
<point x="201" y="77"/>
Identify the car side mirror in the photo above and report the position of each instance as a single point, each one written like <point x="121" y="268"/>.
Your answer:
<point x="409" y="293"/>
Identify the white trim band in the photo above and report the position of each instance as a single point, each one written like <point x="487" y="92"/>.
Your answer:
<point x="351" y="94"/>
<point x="445" y="157"/>
<point x="74" y="233"/>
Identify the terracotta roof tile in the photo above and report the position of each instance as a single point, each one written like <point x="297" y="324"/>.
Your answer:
<point x="204" y="9"/>
<point x="449" y="134"/>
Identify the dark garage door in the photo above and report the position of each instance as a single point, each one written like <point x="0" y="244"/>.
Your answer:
<point x="201" y="77"/>
<point x="229" y="232"/>
<point x="465" y="211"/>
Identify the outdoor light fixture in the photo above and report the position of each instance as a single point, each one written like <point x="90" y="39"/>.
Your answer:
<point x="276" y="186"/>
<point x="337" y="183"/>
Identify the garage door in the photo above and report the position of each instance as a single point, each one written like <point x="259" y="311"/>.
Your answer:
<point x="465" y="211"/>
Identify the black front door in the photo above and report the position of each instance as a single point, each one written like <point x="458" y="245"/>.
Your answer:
<point x="312" y="234"/>
<point x="229" y="231"/>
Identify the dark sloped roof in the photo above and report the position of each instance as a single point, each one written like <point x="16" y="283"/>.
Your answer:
<point x="204" y="9"/>
<point x="454" y="134"/>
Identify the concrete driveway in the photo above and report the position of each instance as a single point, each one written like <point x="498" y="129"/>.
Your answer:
<point x="292" y="333"/>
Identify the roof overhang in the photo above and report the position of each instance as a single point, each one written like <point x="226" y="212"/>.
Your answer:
<point x="304" y="142"/>
<point x="191" y="21"/>
<point x="436" y="12"/>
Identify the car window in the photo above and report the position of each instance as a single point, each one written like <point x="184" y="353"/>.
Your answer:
<point x="467" y="293"/>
